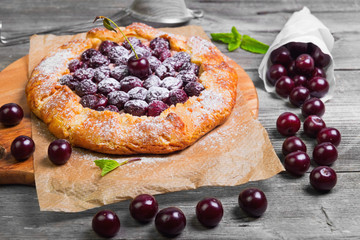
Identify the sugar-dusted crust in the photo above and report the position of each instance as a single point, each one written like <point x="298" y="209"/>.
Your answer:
<point x="110" y="132"/>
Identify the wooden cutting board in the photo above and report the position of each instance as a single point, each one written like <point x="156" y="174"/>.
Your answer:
<point x="13" y="80"/>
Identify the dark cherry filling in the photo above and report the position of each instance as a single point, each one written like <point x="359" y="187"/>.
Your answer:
<point x="112" y="78"/>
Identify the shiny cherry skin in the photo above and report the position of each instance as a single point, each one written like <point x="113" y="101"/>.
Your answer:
<point x="143" y="208"/>
<point x="275" y="72"/>
<point x="300" y="80"/>
<point x="106" y="223"/>
<point x="209" y="212"/>
<point x="297" y="163"/>
<point x="323" y="178"/>
<point x="312" y="125"/>
<point x="59" y="151"/>
<point x="22" y="148"/>
<point x="321" y="59"/>
<point x="318" y="87"/>
<point x="283" y="86"/>
<point x="293" y="144"/>
<point x="291" y="69"/>
<point x="318" y="72"/>
<point x="253" y="201"/>
<point x="325" y="154"/>
<point x="299" y="95"/>
<point x="331" y="135"/>
<point x="288" y="124"/>
<point x="139" y="67"/>
<point x="281" y="56"/>
<point x="313" y="106"/>
<point x="170" y="221"/>
<point x="304" y="64"/>
<point x="11" y="114"/>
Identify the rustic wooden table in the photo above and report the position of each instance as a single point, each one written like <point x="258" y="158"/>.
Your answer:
<point x="295" y="210"/>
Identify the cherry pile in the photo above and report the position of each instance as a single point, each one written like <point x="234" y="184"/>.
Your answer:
<point x="297" y="161"/>
<point x="113" y="78"/>
<point x="171" y="221"/>
<point x="298" y="71"/>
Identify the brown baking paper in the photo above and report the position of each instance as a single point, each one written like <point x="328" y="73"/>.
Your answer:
<point x="234" y="153"/>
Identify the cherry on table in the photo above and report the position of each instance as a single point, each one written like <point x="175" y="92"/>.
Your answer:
<point x="209" y="212"/>
<point x="22" y="147"/>
<point x="323" y="178"/>
<point x="143" y="208"/>
<point x="313" y="106"/>
<point x="253" y="201"/>
<point x="11" y="114"/>
<point x="293" y="144"/>
<point x="300" y="80"/>
<point x="170" y="221"/>
<point x="106" y="223"/>
<point x="331" y="135"/>
<point x="325" y="153"/>
<point x="288" y="124"/>
<point x="59" y="151"/>
<point x="312" y="125"/>
<point x="297" y="163"/>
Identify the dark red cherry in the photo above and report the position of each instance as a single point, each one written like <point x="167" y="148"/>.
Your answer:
<point x="11" y="114"/>
<point x="313" y="106"/>
<point x="143" y="208"/>
<point x="177" y="96"/>
<point x="22" y="148"/>
<point x="293" y="144"/>
<point x="297" y="163"/>
<point x="136" y="107"/>
<point x="331" y="135"/>
<point x="275" y="72"/>
<point x="291" y="69"/>
<point x="156" y="107"/>
<point x="325" y="153"/>
<point x="106" y="223"/>
<point x="321" y="59"/>
<point x="253" y="201"/>
<point x="304" y="64"/>
<point x="300" y="80"/>
<point x="283" y="86"/>
<point x="312" y="125"/>
<point x="281" y="56"/>
<point x="139" y="67"/>
<point x="209" y="212"/>
<point x="170" y="221"/>
<point x="297" y="48"/>
<point x="194" y="89"/>
<point x="318" y="87"/>
<point x="288" y="124"/>
<point x="323" y="178"/>
<point x="299" y="95"/>
<point x="59" y="151"/>
<point x="106" y="46"/>
<point x="318" y="72"/>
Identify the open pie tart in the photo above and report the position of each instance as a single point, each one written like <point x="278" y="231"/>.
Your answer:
<point x="85" y="93"/>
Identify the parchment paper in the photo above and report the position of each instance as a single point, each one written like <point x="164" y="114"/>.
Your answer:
<point x="234" y="153"/>
<point x="302" y="26"/>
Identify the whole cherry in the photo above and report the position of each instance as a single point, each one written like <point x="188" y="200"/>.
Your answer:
<point x="253" y="201"/>
<point x="288" y="124"/>
<point x="323" y="178"/>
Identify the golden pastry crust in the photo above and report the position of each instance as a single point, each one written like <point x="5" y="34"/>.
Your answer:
<point x="109" y="132"/>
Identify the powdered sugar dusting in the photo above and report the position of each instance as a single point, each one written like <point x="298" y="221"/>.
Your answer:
<point x="55" y="63"/>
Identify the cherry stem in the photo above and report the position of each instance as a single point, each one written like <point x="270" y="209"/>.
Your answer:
<point x="108" y="19"/>
<point x="129" y="161"/>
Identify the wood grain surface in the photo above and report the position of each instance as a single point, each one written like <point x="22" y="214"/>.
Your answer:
<point x="295" y="210"/>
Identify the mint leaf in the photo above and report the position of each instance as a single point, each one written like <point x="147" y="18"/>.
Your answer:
<point x="107" y="165"/>
<point x="253" y="45"/>
<point x="222" y="37"/>
<point x="235" y="40"/>
<point x="107" y="25"/>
